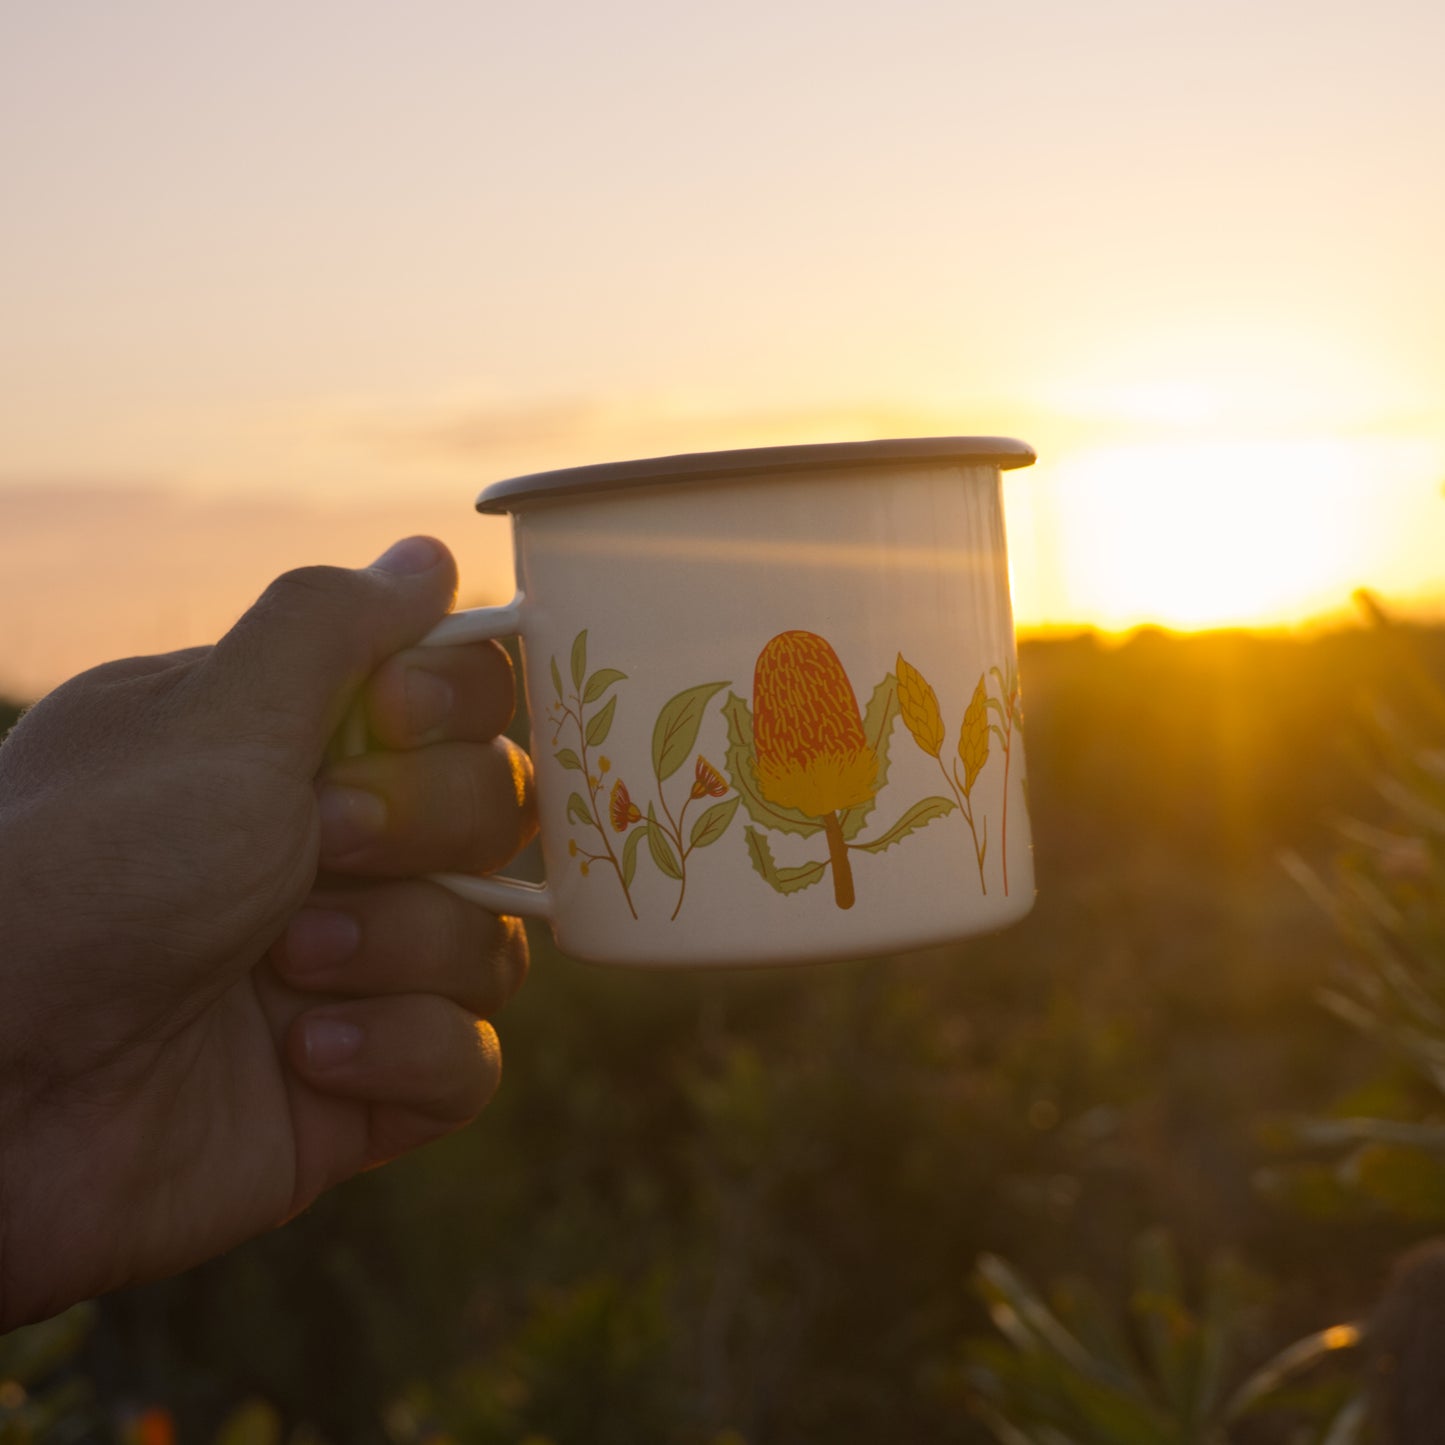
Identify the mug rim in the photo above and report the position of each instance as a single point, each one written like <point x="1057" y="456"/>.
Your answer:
<point x="1005" y="453"/>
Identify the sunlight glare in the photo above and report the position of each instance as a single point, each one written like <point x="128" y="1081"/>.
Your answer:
<point x="1219" y="534"/>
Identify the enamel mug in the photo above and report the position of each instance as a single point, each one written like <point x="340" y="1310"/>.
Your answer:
<point x="774" y="702"/>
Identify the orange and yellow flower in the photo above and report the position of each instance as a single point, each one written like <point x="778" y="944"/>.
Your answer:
<point x="621" y="809"/>
<point x="707" y="782"/>
<point x="807" y="729"/>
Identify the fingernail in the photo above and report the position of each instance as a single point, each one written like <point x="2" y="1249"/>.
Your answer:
<point x="350" y="818"/>
<point x="429" y="700"/>
<point x="318" y="939"/>
<point x="409" y="556"/>
<point x="330" y="1042"/>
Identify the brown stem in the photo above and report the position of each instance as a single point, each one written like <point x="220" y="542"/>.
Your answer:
<point x="677" y="838"/>
<point x="966" y="807"/>
<point x="597" y="814"/>
<point x="1003" y="829"/>
<point x="838" y="855"/>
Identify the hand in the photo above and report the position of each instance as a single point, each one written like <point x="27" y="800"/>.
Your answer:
<point x="225" y="984"/>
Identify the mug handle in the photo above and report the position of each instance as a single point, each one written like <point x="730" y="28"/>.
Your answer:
<point x="497" y="895"/>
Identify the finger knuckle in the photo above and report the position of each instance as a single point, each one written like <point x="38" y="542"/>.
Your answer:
<point x="304" y="588"/>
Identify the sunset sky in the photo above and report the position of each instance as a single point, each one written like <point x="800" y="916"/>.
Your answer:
<point x="278" y="282"/>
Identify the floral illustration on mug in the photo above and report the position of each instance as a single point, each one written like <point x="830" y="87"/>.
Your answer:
<point x="806" y="759"/>
<point x="670" y="843"/>
<point x="1008" y="708"/>
<point x="591" y="733"/>
<point x="923" y="718"/>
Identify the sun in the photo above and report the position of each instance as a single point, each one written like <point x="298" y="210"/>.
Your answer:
<point x="1208" y="534"/>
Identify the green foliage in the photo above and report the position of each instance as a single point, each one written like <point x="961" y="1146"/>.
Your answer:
<point x="1164" y="1374"/>
<point x="44" y="1399"/>
<point x="751" y="1202"/>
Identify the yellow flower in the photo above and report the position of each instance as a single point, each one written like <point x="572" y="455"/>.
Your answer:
<point x="603" y="764"/>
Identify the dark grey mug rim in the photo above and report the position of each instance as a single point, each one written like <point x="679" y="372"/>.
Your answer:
<point x="1004" y="453"/>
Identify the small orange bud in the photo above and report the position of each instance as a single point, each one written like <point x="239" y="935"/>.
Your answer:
<point x="571" y="847"/>
<point x="604" y="764"/>
<point x="584" y="867"/>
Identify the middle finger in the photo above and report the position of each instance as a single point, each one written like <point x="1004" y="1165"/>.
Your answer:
<point x="463" y="807"/>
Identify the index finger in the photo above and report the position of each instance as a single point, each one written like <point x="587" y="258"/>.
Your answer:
<point x="424" y="695"/>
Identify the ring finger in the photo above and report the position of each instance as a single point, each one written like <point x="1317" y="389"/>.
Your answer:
<point x="404" y="937"/>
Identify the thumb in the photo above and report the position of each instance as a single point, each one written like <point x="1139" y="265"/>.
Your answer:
<point x="290" y="666"/>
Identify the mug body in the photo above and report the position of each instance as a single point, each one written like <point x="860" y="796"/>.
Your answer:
<point x="776" y="716"/>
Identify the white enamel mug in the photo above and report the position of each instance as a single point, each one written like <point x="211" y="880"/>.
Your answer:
<point x="774" y="702"/>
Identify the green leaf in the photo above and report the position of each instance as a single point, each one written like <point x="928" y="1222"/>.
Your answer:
<point x="1348" y="1427"/>
<point x="739" y="762"/>
<point x="677" y="727"/>
<point x="784" y="880"/>
<point x="629" y="855"/>
<point x="579" y="659"/>
<point x="883" y="708"/>
<point x="569" y="759"/>
<point x="714" y="823"/>
<point x="1168" y="1328"/>
<point x="660" y="846"/>
<point x="556" y="678"/>
<point x="601" y="724"/>
<point x="577" y="808"/>
<point x="1084" y="1312"/>
<point x="600" y="681"/>
<point x="918" y="816"/>
<point x="1302" y="1355"/>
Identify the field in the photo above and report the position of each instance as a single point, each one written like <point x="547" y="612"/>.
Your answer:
<point x="748" y="1207"/>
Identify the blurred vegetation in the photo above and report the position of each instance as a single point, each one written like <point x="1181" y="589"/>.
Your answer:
<point x="742" y="1208"/>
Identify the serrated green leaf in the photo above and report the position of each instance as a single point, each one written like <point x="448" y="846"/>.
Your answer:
<point x="569" y="759"/>
<point x="579" y="659"/>
<point x="600" y="681"/>
<point x="660" y="846"/>
<point x="739" y="761"/>
<point x="878" y="717"/>
<point x="577" y="808"/>
<point x="713" y="823"/>
<point x="601" y="724"/>
<point x="556" y="678"/>
<point x="918" y="816"/>
<point x="677" y="727"/>
<point x="629" y="855"/>
<point x="784" y="880"/>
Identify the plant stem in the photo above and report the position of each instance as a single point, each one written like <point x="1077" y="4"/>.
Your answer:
<point x="1003" y="827"/>
<point x="592" y="792"/>
<point x="965" y="806"/>
<point x="843" y="893"/>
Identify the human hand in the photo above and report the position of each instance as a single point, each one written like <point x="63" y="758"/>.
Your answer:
<point x="225" y="983"/>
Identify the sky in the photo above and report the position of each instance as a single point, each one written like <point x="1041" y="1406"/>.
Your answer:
<point x="278" y="282"/>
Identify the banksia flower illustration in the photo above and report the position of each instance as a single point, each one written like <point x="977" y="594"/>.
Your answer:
<point x="622" y="810"/>
<point x="812" y="754"/>
<point x="707" y="781"/>
<point x="919" y="705"/>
